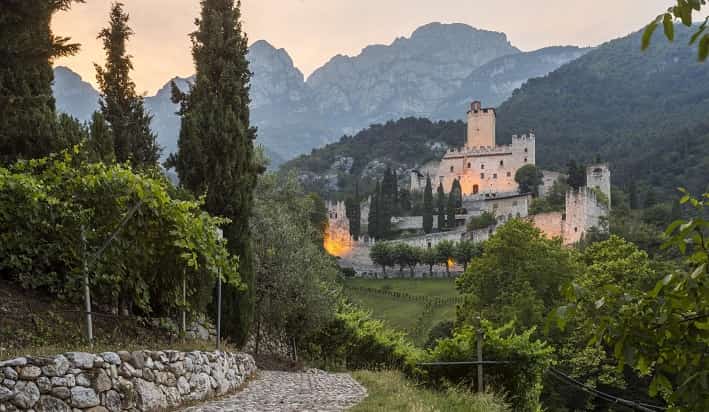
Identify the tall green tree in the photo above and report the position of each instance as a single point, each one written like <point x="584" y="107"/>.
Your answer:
<point x="122" y="107"/>
<point x="455" y="202"/>
<point x="373" y="217"/>
<point x="216" y="156"/>
<point x="353" y="208"/>
<point x="441" y="206"/>
<point x="529" y="177"/>
<point x="577" y="175"/>
<point x="100" y="144"/>
<point x="428" y="207"/>
<point x="387" y="201"/>
<point x="517" y="276"/>
<point x="27" y="49"/>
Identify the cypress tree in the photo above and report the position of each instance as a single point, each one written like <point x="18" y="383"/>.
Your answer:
<point x="458" y="191"/>
<point x="441" y="206"/>
<point x="454" y="199"/>
<point x="27" y="48"/>
<point x="634" y="203"/>
<point x="100" y="144"/>
<point x="121" y="106"/>
<point x="373" y="217"/>
<point x="387" y="201"/>
<point x="216" y="153"/>
<point x="428" y="206"/>
<point x="356" y="214"/>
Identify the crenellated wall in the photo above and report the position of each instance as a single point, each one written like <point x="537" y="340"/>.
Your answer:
<point x="143" y="381"/>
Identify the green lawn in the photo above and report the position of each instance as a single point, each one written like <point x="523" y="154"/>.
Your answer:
<point x="391" y="391"/>
<point x="404" y="314"/>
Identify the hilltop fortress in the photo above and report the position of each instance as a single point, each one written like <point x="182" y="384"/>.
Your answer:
<point x="481" y="165"/>
<point x="486" y="172"/>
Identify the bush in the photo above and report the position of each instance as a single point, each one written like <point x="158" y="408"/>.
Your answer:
<point x="44" y="204"/>
<point x="356" y="341"/>
<point x="521" y="379"/>
<point x="486" y="219"/>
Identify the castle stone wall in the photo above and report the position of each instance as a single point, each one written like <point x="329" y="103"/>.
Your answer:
<point x="551" y="224"/>
<point x="144" y="381"/>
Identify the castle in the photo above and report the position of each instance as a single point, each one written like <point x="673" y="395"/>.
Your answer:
<point x="486" y="172"/>
<point x="481" y="166"/>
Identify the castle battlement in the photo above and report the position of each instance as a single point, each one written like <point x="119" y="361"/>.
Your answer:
<point x="480" y="150"/>
<point x="523" y="138"/>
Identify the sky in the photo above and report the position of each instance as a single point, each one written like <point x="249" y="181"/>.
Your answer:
<point x="313" y="31"/>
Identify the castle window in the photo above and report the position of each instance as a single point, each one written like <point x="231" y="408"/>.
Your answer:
<point x="469" y="165"/>
<point x="509" y="174"/>
<point x="482" y="175"/>
<point x="451" y="168"/>
<point x="494" y="175"/>
<point x="526" y="150"/>
<point x="482" y="166"/>
<point x="576" y="229"/>
<point x="502" y="162"/>
<point x="525" y="160"/>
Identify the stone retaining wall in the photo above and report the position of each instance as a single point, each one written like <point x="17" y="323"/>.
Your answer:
<point x="123" y="381"/>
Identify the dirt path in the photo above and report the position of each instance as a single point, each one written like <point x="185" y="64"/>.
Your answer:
<point x="291" y="391"/>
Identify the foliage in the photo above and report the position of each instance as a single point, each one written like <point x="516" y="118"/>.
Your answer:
<point x="576" y="175"/>
<point x="516" y="277"/>
<point x="521" y="380"/>
<point x="441" y="207"/>
<point x="357" y="341"/>
<point x="27" y="49"/>
<point x="295" y="279"/>
<point x="373" y="218"/>
<point x="122" y="108"/>
<point x="606" y="103"/>
<point x="441" y="330"/>
<point x="216" y="155"/>
<point x="403" y="144"/>
<point x="353" y="208"/>
<point x="100" y="144"/>
<point x="406" y="255"/>
<point x="44" y="204"/>
<point x="391" y="391"/>
<point x="683" y="11"/>
<point x="382" y="254"/>
<point x="429" y="257"/>
<point x="661" y="331"/>
<point x="445" y="252"/>
<point x="554" y="201"/>
<point x="455" y="202"/>
<point x="529" y="177"/>
<point x="465" y="251"/>
<point x="486" y="219"/>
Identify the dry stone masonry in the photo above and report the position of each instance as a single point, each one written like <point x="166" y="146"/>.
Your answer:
<point x="142" y="381"/>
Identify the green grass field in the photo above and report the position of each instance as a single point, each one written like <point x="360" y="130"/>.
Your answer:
<point x="407" y="315"/>
<point x="389" y="391"/>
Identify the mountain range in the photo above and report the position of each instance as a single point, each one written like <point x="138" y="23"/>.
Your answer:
<point x="430" y="74"/>
<point x="645" y="113"/>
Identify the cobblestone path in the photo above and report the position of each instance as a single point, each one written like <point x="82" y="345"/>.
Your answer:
<point x="273" y="391"/>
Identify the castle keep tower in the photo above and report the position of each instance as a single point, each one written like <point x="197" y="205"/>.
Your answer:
<point x="481" y="126"/>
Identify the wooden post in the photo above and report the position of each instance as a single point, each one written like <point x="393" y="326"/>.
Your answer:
<point x="87" y="289"/>
<point x="219" y="307"/>
<point x="184" y="305"/>
<point x="479" y="340"/>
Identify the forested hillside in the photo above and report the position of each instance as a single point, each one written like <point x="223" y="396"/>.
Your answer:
<point x="647" y="113"/>
<point x="644" y="112"/>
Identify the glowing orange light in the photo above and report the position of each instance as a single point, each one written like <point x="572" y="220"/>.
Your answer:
<point x="335" y="246"/>
<point x="451" y="262"/>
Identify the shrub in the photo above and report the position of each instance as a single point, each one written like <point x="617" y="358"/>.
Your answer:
<point x="486" y="219"/>
<point x="521" y="379"/>
<point x="44" y="204"/>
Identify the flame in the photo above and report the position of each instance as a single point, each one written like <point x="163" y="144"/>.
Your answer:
<point x="336" y="247"/>
<point x="451" y="262"/>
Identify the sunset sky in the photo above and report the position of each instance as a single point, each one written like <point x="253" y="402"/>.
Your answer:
<point x="312" y="31"/>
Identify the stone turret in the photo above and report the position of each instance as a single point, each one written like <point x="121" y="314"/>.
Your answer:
<point x="481" y="126"/>
<point x="599" y="176"/>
